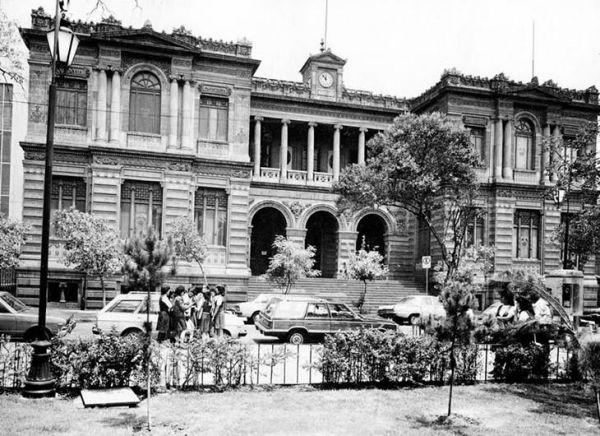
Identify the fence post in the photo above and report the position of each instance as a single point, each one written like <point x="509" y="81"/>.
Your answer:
<point x="298" y="364"/>
<point x="310" y="364"/>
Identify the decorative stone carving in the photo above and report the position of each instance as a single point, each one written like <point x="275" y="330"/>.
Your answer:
<point x="128" y="61"/>
<point x="107" y="160"/>
<point x="296" y="208"/>
<point x="179" y="166"/>
<point x="37" y="114"/>
<point x="32" y="155"/>
<point x="215" y="90"/>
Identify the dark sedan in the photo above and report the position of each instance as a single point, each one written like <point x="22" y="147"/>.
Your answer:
<point x="297" y="320"/>
<point x="19" y="321"/>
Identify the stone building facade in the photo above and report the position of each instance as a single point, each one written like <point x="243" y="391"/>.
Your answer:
<point x="154" y="126"/>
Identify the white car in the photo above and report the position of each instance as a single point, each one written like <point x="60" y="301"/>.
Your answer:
<point x="250" y="309"/>
<point x="127" y="314"/>
<point x="413" y="308"/>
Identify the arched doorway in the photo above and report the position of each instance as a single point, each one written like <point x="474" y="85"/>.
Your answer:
<point x="373" y="229"/>
<point x="266" y="224"/>
<point x="322" y="233"/>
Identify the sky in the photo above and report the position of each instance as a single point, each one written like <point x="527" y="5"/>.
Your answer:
<point x="395" y="47"/>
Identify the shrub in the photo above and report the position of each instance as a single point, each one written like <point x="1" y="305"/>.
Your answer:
<point x="368" y="355"/>
<point x="518" y="362"/>
<point x="109" y="361"/>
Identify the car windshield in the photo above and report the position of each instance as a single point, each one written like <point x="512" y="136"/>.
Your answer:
<point x="290" y="309"/>
<point x="126" y="306"/>
<point x="262" y="298"/>
<point x="339" y="310"/>
<point x="15" y="303"/>
<point x="405" y="300"/>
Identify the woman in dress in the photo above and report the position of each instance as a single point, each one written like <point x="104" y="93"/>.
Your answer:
<point x="205" y="314"/>
<point x="164" y="307"/>
<point x="179" y="308"/>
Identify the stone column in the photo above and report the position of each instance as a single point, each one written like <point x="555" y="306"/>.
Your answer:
<point x="101" y="106"/>
<point x="283" y="151"/>
<point x="310" y="152"/>
<point x="115" y="107"/>
<point x="361" y="145"/>
<point x="257" y="145"/>
<point x="173" y="113"/>
<point x="545" y="167"/>
<point x="187" y="116"/>
<point x="336" y="151"/>
<point x="507" y="170"/>
<point x="498" y="149"/>
<point x="557" y="135"/>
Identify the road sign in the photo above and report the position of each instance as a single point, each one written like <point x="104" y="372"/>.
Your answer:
<point x="426" y="260"/>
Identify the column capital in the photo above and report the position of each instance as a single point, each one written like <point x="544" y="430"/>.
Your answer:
<point x="338" y="126"/>
<point x="258" y="118"/>
<point x="363" y="129"/>
<point x="285" y="121"/>
<point x="312" y="124"/>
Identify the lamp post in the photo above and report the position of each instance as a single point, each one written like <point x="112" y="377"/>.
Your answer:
<point x="559" y="196"/>
<point x="63" y="45"/>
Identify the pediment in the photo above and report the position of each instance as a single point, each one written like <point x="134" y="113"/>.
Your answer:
<point x="324" y="58"/>
<point x="146" y="37"/>
<point x="537" y="92"/>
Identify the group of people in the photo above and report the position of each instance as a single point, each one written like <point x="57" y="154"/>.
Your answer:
<point x="184" y="313"/>
<point x="523" y="309"/>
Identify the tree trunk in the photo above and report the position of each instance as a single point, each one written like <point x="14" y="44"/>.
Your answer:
<point x="363" y="297"/>
<point x="103" y="291"/>
<point x="203" y="275"/>
<point x="83" y="304"/>
<point x="597" y="402"/>
<point x="452" y="366"/>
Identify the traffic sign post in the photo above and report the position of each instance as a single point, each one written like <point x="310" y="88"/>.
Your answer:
<point x="426" y="263"/>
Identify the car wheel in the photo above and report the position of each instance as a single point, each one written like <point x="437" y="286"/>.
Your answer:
<point x="132" y="333"/>
<point x="226" y="334"/>
<point x="296" y="337"/>
<point x="414" y="319"/>
<point x="255" y="318"/>
<point x="32" y="335"/>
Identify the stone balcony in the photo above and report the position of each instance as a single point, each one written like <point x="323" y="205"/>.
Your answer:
<point x="294" y="177"/>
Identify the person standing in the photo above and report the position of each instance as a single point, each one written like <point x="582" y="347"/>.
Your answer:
<point x="218" y="310"/>
<point x="164" y="307"/>
<point x="179" y="308"/>
<point x="542" y="311"/>
<point x="205" y="314"/>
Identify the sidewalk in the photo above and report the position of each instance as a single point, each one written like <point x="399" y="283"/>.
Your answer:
<point x="80" y="316"/>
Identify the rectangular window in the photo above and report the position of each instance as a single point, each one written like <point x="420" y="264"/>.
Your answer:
<point x="214" y="118"/>
<point x="141" y="208"/>
<point x="526" y="231"/>
<point x="67" y="192"/>
<point x="476" y="232"/>
<point x="210" y="214"/>
<point x="6" y="105"/>
<point x="423" y="239"/>
<point x="478" y="140"/>
<point x="71" y="102"/>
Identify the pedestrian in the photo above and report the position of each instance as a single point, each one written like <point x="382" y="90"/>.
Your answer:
<point x="506" y="311"/>
<point x="542" y="311"/>
<point x="205" y="314"/>
<point x="218" y="310"/>
<point x="164" y="307"/>
<point x="525" y="310"/>
<point x="178" y="314"/>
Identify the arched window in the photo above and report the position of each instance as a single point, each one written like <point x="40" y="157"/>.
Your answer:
<point x="524" y="145"/>
<point x="144" y="103"/>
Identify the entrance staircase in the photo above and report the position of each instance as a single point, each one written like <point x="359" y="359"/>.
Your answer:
<point x="379" y="292"/>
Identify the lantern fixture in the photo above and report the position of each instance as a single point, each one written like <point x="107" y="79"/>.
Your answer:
<point x="66" y="47"/>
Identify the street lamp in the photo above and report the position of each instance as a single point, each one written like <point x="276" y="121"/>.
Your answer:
<point x="63" y="45"/>
<point x="559" y="196"/>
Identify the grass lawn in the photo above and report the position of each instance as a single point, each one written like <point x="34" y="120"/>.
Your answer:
<point x="481" y="409"/>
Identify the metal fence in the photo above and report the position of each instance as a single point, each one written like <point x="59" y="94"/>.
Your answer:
<point x="8" y="280"/>
<point x="269" y="364"/>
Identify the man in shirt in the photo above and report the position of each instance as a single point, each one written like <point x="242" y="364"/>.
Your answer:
<point x="542" y="311"/>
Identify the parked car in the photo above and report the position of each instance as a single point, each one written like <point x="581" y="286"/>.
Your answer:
<point x="412" y="308"/>
<point x="250" y="309"/>
<point x="126" y="313"/>
<point x="19" y="321"/>
<point x="297" y="320"/>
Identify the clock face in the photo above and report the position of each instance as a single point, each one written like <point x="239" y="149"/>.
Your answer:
<point x="325" y="79"/>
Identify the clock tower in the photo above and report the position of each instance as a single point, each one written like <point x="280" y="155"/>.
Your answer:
<point x="323" y="72"/>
